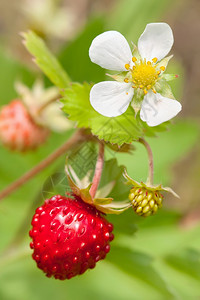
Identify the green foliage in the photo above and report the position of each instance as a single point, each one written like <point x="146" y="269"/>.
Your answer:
<point x="118" y="130"/>
<point x="83" y="162"/>
<point x="186" y="261"/>
<point x="160" y="249"/>
<point x="46" y="60"/>
<point x="140" y="266"/>
<point x="76" y="104"/>
<point x="148" y="265"/>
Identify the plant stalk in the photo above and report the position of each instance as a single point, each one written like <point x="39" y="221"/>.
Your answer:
<point x="77" y="138"/>
<point x="150" y="156"/>
<point x="98" y="170"/>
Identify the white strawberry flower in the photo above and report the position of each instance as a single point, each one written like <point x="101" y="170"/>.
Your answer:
<point x="141" y="74"/>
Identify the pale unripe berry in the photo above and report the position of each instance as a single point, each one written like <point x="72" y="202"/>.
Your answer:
<point x="145" y="202"/>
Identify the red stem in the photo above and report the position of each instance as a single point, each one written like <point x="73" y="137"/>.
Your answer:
<point x="98" y="170"/>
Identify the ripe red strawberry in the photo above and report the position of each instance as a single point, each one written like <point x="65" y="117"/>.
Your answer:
<point x="69" y="237"/>
<point x="18" y="130"/>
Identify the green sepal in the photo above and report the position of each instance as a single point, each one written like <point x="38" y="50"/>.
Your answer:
<point x="105" y="205"/>
<point x="114" y="207"/>
<point x="164" y="88"/>
<point x="38" y="97"/>
<point x="102" y="201"/>
<point x="135" y="52"/>
<point x="82" y="193"/>
<point x="163" y="63"/>
<point x="85" y="194"/>
<point x="105" y="190"/>
<point x="169" y="77"/>
<point x="147" y="186"/>
<point x="136" y="102"/>
<point x="119" y="76"/>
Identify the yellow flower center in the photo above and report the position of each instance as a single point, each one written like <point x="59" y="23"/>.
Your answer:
<point x="144" y="74"/>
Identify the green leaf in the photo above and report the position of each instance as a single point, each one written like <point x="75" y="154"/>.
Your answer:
<point x="45" y="60"/>
<point x="77" y="105"/>
<point x="119" y="130"/>
<point x="187" y="261"/>
<point x="139" y="265"/>
<point x="162" y="238"/>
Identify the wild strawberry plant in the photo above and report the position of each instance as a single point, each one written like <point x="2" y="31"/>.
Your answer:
<point x="70" y="232"/>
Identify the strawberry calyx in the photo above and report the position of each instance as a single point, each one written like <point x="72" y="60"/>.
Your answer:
<point x="43" y="106"/>
<point x="81" y="188"/>
<point x="145" y="198"/>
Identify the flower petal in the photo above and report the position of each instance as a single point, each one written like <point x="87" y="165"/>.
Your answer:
<point x="156" y="41"/>
<point x="111" y="98"/>
<point x="157" y="109"/>
<point x="110" y="50"/>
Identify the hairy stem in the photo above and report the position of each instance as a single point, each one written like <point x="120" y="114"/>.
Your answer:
<point x="98" y="170"/>
<point x="77" y="138"/>
<point x="150" y="156"/>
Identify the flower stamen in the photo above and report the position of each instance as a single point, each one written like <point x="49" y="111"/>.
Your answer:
<point x="127" y="66"/>
<point x="134" y="59"/>
<point x="144" y="74"/>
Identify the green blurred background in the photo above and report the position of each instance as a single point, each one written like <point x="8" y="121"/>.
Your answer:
<point x="155" y="258"/>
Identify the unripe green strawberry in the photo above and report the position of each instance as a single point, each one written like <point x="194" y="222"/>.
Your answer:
<point x="145" y="202"/>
